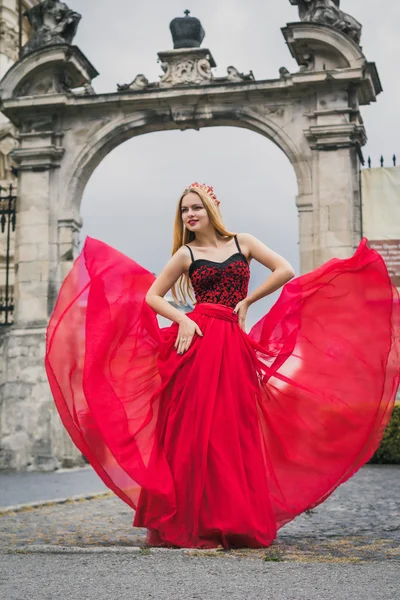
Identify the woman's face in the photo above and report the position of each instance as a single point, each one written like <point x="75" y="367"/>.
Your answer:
<point x="194" y="215"/>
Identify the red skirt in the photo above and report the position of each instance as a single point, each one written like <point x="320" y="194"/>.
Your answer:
<point x="230" y="441"/>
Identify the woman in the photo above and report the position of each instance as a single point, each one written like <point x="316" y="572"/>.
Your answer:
<point x="215" y="436"/>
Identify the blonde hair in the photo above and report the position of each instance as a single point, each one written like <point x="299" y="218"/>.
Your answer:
<point x="181" y="236"/>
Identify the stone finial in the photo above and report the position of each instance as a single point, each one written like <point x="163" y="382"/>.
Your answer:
<point x="328" y="12"/>
<point x="187" y="31"/>
<point x="53" y="23"/>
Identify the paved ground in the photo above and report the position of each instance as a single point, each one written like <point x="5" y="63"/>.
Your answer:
<point x="176" y="577"/>
<point x="22" y="488"/>
<point x="348" y="545"/>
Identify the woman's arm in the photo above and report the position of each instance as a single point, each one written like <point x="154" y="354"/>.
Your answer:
<point x="164" y="282"/>
<point x="282" y="271"/>
<point x="154" y="298"/>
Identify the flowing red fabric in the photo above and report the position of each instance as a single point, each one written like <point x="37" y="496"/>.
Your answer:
<point x="230" y="441"/>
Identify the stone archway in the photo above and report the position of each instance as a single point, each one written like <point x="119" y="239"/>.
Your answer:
<point x="66" y="129"/>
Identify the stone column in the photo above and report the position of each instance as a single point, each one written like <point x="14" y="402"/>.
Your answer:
<point x="336" y="220"/>
<point x="333" y="65"/>
<point x="8" y="55"/>
<point x="335" y="138"/>
<point x="26" y="403"/>
<point x="38" y="156"/>
<point x="32" y="434"/>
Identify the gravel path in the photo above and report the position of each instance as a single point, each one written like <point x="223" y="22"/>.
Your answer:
<point x="359" y="522"/>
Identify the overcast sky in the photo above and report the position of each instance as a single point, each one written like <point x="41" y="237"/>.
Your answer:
<point x="130" y="200"/>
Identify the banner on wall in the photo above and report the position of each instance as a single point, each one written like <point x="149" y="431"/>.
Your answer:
<point x="381" y="215"/>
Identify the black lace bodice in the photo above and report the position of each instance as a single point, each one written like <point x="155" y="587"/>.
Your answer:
<point x="223" y="282"/>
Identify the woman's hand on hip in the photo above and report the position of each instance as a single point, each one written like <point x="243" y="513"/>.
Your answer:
<point x="186" y="331"/>
<point x="241" y="309"/>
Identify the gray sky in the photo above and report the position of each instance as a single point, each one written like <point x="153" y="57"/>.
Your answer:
<point x="130" y="200"/>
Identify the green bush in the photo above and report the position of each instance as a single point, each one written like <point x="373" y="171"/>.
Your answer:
<point x="388" y="452"/>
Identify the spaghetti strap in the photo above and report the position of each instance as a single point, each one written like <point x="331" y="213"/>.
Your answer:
<point x="191" y="253"/>
<point x="237" y="243"/>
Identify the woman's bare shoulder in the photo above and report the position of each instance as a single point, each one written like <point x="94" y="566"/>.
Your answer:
<point x="245" y="238"/>
<point x="184" y="255"/>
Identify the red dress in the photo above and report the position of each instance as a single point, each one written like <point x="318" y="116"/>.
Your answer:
<point x="233" y="439"/>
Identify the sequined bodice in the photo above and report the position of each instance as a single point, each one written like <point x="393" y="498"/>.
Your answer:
<point x="223" y="282"/>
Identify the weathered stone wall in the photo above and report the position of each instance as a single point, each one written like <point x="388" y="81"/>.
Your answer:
<point x="31" y="434"/>
<point x="25" y="402"/>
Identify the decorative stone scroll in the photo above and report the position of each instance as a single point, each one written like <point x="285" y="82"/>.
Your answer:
<point x="186" y="66"/>
<point x="189" y="66"/>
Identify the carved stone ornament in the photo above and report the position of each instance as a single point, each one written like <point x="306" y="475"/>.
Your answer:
<point x="53" y="23"/>
<point x="49" y="83"/>
<point x="234" y="75"/>
<point x="8" y="142"/>
<point x="328" y="12"/>
<point x="193" y="67"/>
<point x="284" y="73"/>
<point x="186" y="66"/>
<point x="308" y="62"/>
<point x="88" y="90"/>
<point x="139" y="83"/>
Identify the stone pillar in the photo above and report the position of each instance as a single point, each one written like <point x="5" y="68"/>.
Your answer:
<point x="32" y="434"/>
<point x="334" y="66"/>
<point x="8" y="55"/>
<point x="26" y="403"/>
<point x="22" y="347"/>
<point x="338" y="219"/>
<point x="336" y="165"/>
<point x="38" y="158"/>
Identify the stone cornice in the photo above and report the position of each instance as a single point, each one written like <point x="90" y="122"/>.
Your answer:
<point x="75" y="222"/>
<point x="38" y="158"/>
<point x="332" y="137"/>
<point x="272" y="89"/>
<point x="305" y="37"/>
